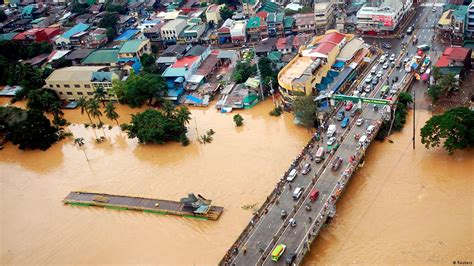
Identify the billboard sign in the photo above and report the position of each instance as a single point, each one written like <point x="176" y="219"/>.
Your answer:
<point x="386" y="20"/>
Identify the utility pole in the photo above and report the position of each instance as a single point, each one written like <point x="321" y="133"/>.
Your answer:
<point x="414" y="109"/>
<point x="258" y="73"/>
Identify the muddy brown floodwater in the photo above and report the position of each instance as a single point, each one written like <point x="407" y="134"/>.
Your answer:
<point x="404" y="206"/>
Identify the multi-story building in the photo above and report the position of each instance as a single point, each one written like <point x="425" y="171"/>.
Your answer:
<point x="323" y="16"/>
<point x="171" y="30"/>
<point x="453" y="23"/>
<point x="311" y="65"/>
<point x="253" y="28"/>
<point x="63" y="41"/>
<point x="71" y="83"/>
<point x="213" y="14"/>
<point x="275" y="24"/>
<point x="134" y="49"/>
<point x="193" y="31"/>
<point x="382" y="17"/>
<point x="304" y="23"/>
<point x="250" y="7"/>
<point x="238" y="33"/>
<point x="470" y="22"/>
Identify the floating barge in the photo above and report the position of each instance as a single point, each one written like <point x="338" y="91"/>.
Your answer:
<point x="190" y="207"/>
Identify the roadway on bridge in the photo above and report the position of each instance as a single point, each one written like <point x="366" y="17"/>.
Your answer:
<point x="262" y="236"/>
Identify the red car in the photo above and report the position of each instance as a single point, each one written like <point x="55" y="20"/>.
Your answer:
<point x="349" y="106"/>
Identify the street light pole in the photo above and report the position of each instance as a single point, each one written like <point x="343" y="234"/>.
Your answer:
<point x="414" y="109"/>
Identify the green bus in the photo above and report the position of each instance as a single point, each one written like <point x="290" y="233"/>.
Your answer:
<point x="278" y="251"/>
<point x="384" y="90"/>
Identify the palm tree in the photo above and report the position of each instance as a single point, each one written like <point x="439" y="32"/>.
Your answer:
<point x="100" y="94"/>
<point x="168" y="108"/>
<point x="449" y="83"/>
<point x="110" y="112"/>
<point x="82" y="103"/>
<point x="436" y="73"/>
<point x="94" y="109"/>
<point x="183" y="115"/>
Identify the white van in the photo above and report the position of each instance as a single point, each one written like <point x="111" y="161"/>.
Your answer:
<point x="370" y="129"/>
<point x="292" y="175"/>
<point x="362" y="140"/>
<point x="373" y="70"/>
<point x="319" y="154"/>
<point x="331" y="131"/>
<point x="368" y="79"/>
<point x="297" y="193"/>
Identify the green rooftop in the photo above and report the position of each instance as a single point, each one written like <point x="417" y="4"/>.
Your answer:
<point x="288" y="22"/>
<point x="254" y="22"/>
<point x="249" y="2"/>
<point x="102" y="56"/>
<point x="131" y="46"/>
<point x="8" y="36"/>
<point x="269" y="7"/>
<point x="274" y="56"/>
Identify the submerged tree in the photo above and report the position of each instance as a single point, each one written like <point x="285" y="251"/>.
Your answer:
<point x="110" y="112"/>
<point x="304" y="109"/>
<point x="239" y="120"/>
<point x="455" y="127"/>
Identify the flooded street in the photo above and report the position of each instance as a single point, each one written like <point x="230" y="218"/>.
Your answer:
<point x="404" y="206"/>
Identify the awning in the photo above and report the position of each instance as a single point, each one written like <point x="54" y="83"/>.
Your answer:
<point x="338" y="64"/>
<point x="179" y="80"/>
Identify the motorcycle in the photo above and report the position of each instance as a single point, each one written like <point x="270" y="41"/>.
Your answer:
<point x="307" y="207"/>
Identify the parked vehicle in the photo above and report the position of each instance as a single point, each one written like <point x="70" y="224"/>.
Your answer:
<point x="386" y="45"/>
<point x="278" y="252"/>
<point x="331" y="141"/>
<point x="410" y="30"/>
<point x="336" y="163"/>
<point x="290" y="259"/>
<point x="340" y="115"/>
<point x="345" y="122"/>
<point x="319" y="154"/>
<point x="385" y="66"/>
<point x="297" y="193"/>
<point x="370" y="129"/>
<point x="292" y="222"/>
<point x="368" y="79"/>
<point x="368" y="88"/>
<point x="331" y="131"/>
<point x="283" y="214"/>
<point x="373" y="70"/>
<point x="382" y="59"/>
<point x="423" y="47"/>
<point x="354" y="112"/>
<point x="292" y="175"/>
<point x="363" y="140"/>
<point x="360" y="122"/>
<point x="375" y="81"/>
<point x="349" y="105"/>
<point x="306" y="169"/>
<point x="392" y="57"/>
<point x="314" y="195"/>
<point x="379" y="74"/>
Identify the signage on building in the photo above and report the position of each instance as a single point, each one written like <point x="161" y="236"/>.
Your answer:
<point x="386" y="20"/>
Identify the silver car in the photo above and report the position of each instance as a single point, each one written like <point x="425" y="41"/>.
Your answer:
<point x="360" y="121"/>
<point x="331" y="141"/>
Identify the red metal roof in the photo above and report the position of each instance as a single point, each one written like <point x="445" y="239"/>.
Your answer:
<point x="187" y="60"/>
<point x="40" y="34"/>
<point x="324" y="48"/>
<point x="456" y="53"/>
<point x="443" y="61"/>
<point x="333" y="37"/>
<point x="263" y="15"/>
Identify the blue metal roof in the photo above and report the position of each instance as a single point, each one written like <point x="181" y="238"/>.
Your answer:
<point x="76" y="29"/>
<point x="127" y="35"/>
<point x="194" y="99"/>
<point x="338" y="64"/>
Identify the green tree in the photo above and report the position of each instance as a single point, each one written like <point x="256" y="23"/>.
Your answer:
<point x="82" y="103"/>
<point x="304" y="109"/>
<point x="455" y="127"/>
<point x="149" y="64"/>
<point x="142" y="88"/>
<point x="448" y="83"/>
<point x="29" y="129"/>
<point x="434" y="91"/>
<point x="110" y="112"/>
<point x="100" y="94"/>
<point x="405" y="98"/>
<point x="225" y="12"/>
<point x="153" y="126"/>
<point x="43" y="100"/>
<point x="436" y="73"/>
<point x="183" y="115"/>
<point x="94" y="109"/>
<point x="109" y="20"/>
<point x="239" y="120"/>
<point x="167" y="108"/>
<point x="243" y="71"/>
<point x="118" y="89"/>
<point x="265" y="66"/>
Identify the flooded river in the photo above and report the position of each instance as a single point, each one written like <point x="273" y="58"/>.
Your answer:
<point x="404" y="207"/>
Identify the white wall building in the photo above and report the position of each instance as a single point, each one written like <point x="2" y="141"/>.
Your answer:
<point x="238" y="31"/>
<point x="171" y="30"/>
<point x="382" y="18"/>
<point x="323" y="16"/>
